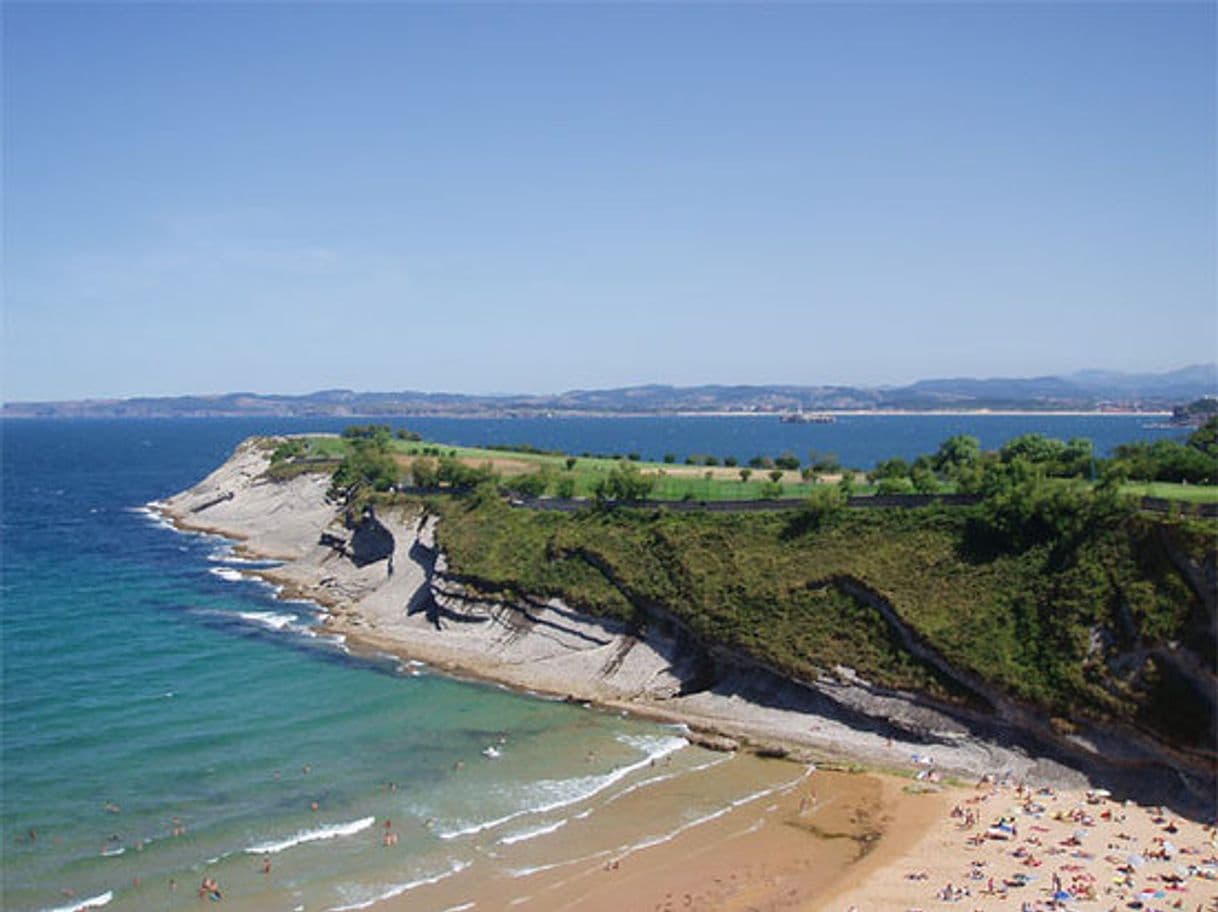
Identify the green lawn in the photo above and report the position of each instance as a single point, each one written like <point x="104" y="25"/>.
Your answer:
<point x="1169" y="491"/>
<point x="677" y="482"/>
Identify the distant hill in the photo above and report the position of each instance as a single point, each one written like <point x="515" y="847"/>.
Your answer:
<point x="1084" y="390"/>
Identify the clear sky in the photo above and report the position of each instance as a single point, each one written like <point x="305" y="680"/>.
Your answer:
<point x="284" y="197"/>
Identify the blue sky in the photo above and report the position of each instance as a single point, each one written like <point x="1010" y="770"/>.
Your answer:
<point x="284" y="197"/>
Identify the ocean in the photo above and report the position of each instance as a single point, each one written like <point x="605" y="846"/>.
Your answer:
<point x="166" y="717"/>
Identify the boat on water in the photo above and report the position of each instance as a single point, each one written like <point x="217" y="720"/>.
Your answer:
<point x="802" y="417"/>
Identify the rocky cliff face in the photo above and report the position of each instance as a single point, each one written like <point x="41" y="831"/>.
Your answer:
<point x="422" y="610"/>
<point x="370" y="540"/>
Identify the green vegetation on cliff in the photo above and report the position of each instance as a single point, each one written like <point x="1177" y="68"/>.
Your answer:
<point x="1067" y="601"/>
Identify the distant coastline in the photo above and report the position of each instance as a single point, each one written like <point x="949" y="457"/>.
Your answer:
<point x="17" y="414"/>
<point x="1081" y="393"/>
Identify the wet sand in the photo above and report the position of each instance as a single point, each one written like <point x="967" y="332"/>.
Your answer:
<point x="781" y="849"/>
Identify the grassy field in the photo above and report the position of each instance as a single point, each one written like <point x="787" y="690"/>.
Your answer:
<point x="671" y="481"/>
<point x="675" y="481"/>
<point x="1168" y="491"/>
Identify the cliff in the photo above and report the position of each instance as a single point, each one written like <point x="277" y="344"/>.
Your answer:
<point x="628" y="647"/>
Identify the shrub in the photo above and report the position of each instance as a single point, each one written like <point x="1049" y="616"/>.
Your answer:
<point x="531" y="485"/>
<point x="624" y="482"/>
<point x="788" y="461"/>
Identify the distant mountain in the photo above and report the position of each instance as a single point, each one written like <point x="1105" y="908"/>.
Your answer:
<point x="1084" y="390"/>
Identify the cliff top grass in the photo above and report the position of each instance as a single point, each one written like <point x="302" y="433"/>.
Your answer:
<point x="560" y="474"/>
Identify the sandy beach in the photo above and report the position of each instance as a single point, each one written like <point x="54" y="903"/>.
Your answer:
<point x="1003" y="846"/>
<point x="823" y="840"/>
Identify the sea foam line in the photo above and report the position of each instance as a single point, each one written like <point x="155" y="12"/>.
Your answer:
<point x="525" y="835"/>
<point x="399" y="889"/>
<point x="623" y="851"/>
<point x="93" y="902"/>
<point x="268" y="619"/>
<point x="333" y="831"/>
<point x="577" y="790"/>
<point x="154" y="516"/>
<point x="707" y="818"/>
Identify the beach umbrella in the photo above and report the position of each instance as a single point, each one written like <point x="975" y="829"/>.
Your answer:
<point x="1136" y="860"/>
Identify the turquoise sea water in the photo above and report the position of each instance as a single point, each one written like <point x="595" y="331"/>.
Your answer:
<point x="148" y="686"/>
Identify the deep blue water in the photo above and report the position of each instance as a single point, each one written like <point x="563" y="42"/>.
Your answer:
<point x="137" y="677"/>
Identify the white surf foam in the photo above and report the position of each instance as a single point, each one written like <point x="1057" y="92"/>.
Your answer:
<point x="227" y="573"/>
<point x="224" y="555"/>
<point x="706" y="818"/>
<point x="525" y="835"/>
<point x="399" y="889"/>
<point x="665" y="777"/>
<point x="333" y="831"/>
<point x="93" y="902"/>
<point x="154" y="516"/>
<point x="268" y="619"/>
<point x="558" y="793"/>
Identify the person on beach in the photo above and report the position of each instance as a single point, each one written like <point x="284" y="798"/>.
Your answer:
<point x="210" y="889"/>
<point x="266" y="864"/>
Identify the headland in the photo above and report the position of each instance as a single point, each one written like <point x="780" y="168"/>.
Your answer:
<point x="387" y="582"/>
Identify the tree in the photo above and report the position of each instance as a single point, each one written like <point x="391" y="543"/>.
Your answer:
<point x="1205" y="438"/>
<point x="368" y="463"/>
<point x="711" y="461"/>
<point x="821" y="508"/>
<point x="730" y="461"/>
<point x="957" y="453"/>
<point x="824" y="463"/>
<point x="670" y="458"/>
<point x="571" y="460"/>
<point x="532" y="484"/>
<point x="846" y="485"/>
<point x="775" y="475"/>
<point x="895" y="484"/>
<point x="377" y="432"/>
<point x="423" y="473"/>
<point x="893" y="468"/>
<point x="292" y="448"/>
<point x="787" y="460"/>
<point x="924" y="480"/>
<point x="771" y="490"/>
<point x="744" y="474"/>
